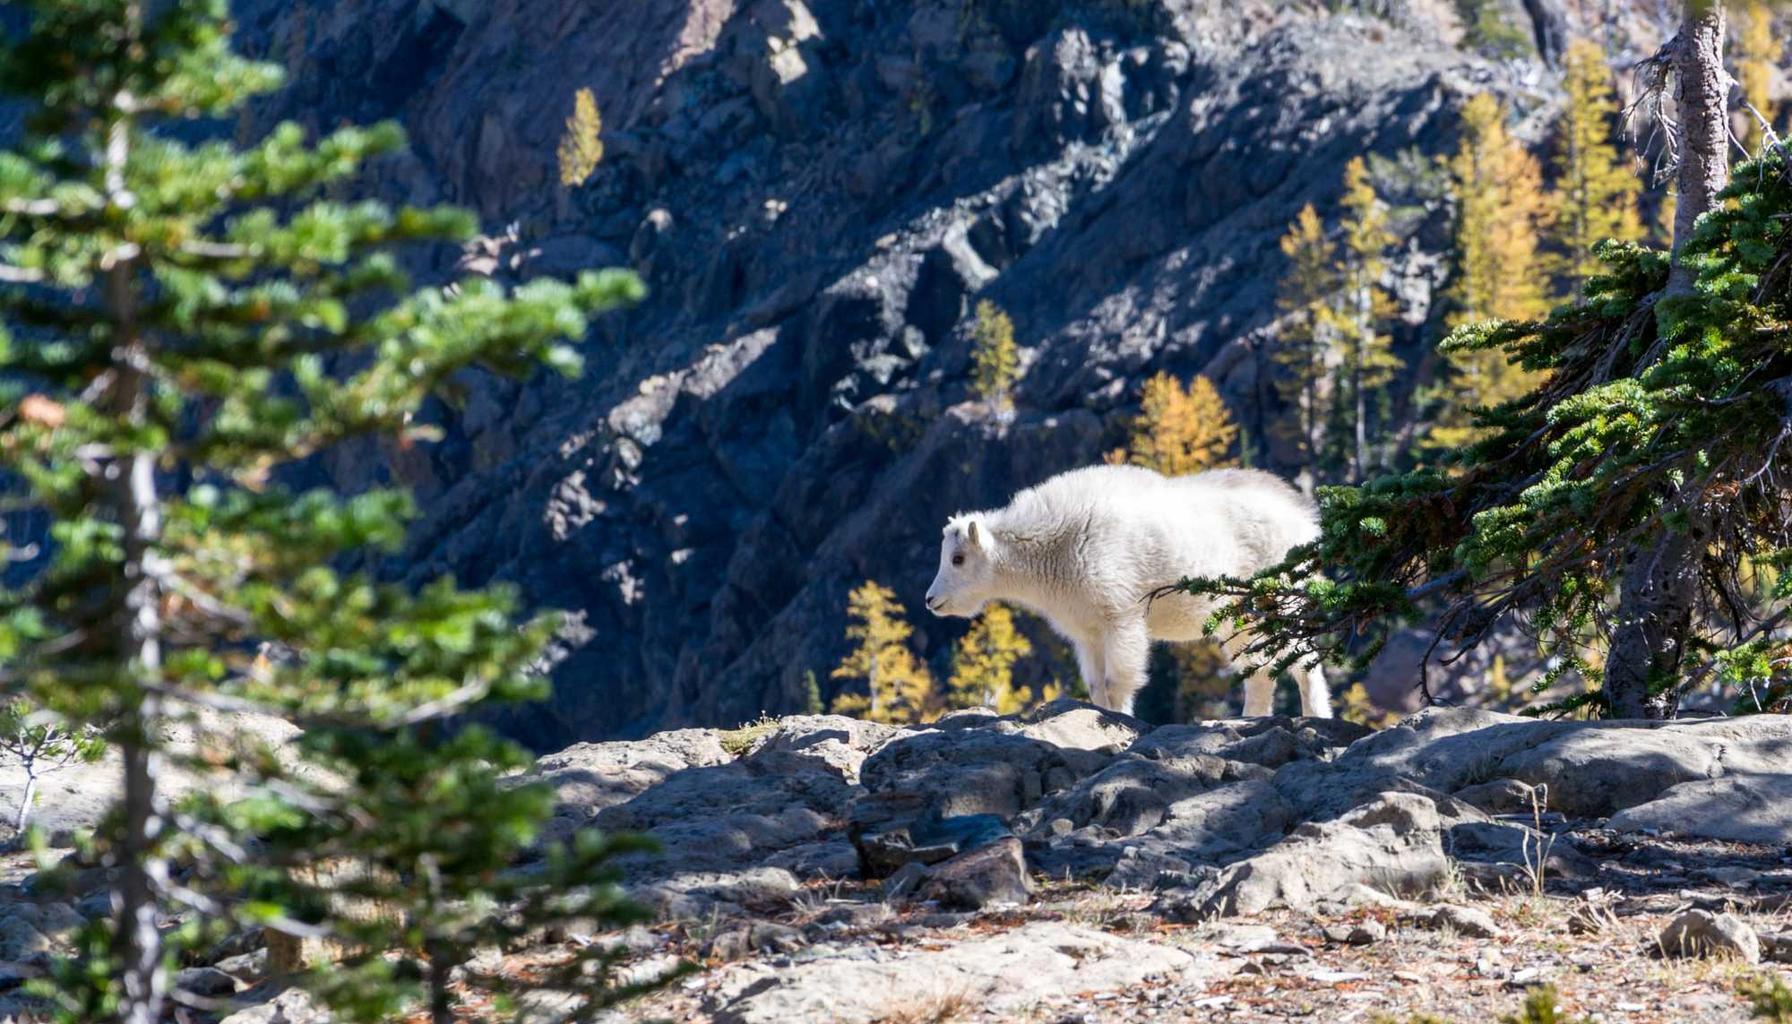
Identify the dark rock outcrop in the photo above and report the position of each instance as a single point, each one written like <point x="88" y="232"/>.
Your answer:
<point x="818" y="192"/>
<point x="1229" y="817"/>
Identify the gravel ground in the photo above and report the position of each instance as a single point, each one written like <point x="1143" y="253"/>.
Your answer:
<point x="1598" y="949"/>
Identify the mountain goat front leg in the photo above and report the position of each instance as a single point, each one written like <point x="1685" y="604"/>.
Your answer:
<point x="1090" y="664"/>
<point x="1259" y="683"/>
<point x="1127" y="653"/>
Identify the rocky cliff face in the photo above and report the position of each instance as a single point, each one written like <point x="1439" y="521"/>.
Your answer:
<point x="817" y="193"/>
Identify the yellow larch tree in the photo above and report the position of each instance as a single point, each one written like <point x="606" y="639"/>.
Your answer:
<point x="1662" y="234"/>
<point x="1306" y="346"/>
<point x="995" y="359"/>
<point x="1368" y="361"/>
<point x="1500" y="209"/>
<point x="898" y="687"/>
<point x="1757" y="51"/>
<point x="1499" y="188"/>
<point x="1179" y="430"/>
<point x="1596" y="190"/>
<point x="581" y="145"/>
<point x="983" y="664"/>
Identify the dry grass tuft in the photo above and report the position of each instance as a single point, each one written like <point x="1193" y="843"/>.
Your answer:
<point x="738" y="741"/>
<point x="937" y="1009"/>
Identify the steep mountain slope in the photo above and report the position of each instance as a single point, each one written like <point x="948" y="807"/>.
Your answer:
<point x="815" y="194"/>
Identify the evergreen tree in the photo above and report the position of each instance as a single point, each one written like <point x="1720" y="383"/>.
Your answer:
<point x="1178" y="431"/>
<point x="1305" y="346"/>
<point x="1757" y="52"/>
<point x="983" y="664"/>
<point x="1642" y="468"/>
<point x="1595" y="192"/>
<point x="182" y="320"/>
<point x="581" y="146"/>
<point x="994" y="357"/>
<point x="898" y="688"/>
<point x="1499" y="196"/>
<point x="1653" y="619"/>
<point x="1369" y="363"/>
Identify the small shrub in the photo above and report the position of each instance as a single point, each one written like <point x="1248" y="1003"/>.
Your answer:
<point x="1768" y="998"/>
<point x="738" y="741"/>
<point x="1540" y="1007"/>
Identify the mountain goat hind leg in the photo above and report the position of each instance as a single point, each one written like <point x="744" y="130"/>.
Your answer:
<point x="1315" y="696"/>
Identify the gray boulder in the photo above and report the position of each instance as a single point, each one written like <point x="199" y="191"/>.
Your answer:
<point x="1132" y="795"/>
<point x="21" y="940"/>
<point x="1513" y="852"/>
<point x="996" y="766"/>
<point x="839" y="742"/>
<point x="1469" y="921"/>
<point x="1581" y="769"/>
<point x="1734" y="808"/>
<point x="987" y="875"/>
<point x="720" y="814"/>
<point x="590" y="777"/>
<point x="1701" y="933"/>
<point x="288" y="1006"/>
<point x="1391" y="845"/>
<point x="1269" y="742"/>
<point x="696" y="895"/>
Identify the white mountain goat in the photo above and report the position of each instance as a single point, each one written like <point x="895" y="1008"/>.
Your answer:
<point x="1086" y="548"/>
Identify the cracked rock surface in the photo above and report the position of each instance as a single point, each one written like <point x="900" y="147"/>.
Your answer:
<point x="826" y="868"/>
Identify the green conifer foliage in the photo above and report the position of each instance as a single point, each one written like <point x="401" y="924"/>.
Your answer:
<point x="1656" y="412"/>
<point x="181" y="322"/>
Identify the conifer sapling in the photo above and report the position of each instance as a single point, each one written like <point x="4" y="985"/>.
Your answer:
<point x="185" y="319"/>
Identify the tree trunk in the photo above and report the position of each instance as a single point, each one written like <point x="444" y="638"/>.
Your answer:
<point x="24" y="818"/>
<point x="1701" y="96"/>
<point x="1655" y="606"/>
<point x="1315" y="413"/>
<point x="130" y="490"/>
<point x="441" y="973"/>
<point x="138" y="943"/>
<point x="1365" y="312"/>
<point x="1660" y="586"/>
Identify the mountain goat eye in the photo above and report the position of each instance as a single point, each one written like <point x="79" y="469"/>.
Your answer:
<point x="958" y="558"/>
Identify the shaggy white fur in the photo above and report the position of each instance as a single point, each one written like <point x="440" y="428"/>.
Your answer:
<point x="1086" y="548"/>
